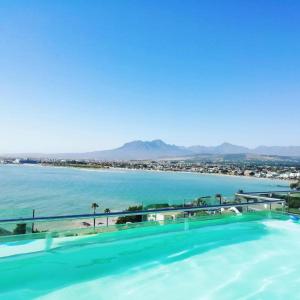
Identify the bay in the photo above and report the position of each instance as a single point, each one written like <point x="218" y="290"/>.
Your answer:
<point x="51" y="190"/>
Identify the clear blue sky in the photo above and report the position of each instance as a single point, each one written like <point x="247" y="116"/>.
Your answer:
<point x="88" y="75"/>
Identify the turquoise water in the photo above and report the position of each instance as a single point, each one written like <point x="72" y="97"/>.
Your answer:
<point x="248" y="257"/>
<point x="66" y="190"/>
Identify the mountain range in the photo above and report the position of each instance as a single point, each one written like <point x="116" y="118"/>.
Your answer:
<point x="157" y="149"/>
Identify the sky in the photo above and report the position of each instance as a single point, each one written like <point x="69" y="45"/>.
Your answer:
<point x="90" y="75"/>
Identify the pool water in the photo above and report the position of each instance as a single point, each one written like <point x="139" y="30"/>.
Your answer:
<point x="240" y="257"/>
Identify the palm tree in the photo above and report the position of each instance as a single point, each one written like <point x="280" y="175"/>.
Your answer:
<point x="107" y="211"/>
<point x="219" y="196"/>
<point x="94" y="207"/>
<point x="201" y="202"/>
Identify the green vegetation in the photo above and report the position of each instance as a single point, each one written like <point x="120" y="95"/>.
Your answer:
<point x="20" y="229"/>
<point x="132" y="218"/>
<point x="201" y="213"/>
<point x="4" y="232"/>
<point x="294" y="202"/>
<point x="78" y="164"/>
<point x="201" y="201"/>
<point x="157" y="206"/>
<point x="295" y="185"/>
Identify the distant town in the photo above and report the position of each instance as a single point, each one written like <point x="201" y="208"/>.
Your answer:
<point x="259" y="169"/>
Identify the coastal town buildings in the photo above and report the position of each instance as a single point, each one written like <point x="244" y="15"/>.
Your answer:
<point x="258" y="169"/>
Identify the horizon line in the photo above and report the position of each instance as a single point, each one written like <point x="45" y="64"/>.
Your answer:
<point x="145" y="141"/>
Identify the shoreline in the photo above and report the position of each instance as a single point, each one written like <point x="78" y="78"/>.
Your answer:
<point x="199" y="173"/>
<point x="241" y="182"/>
<point x="112" y="169"/>
<point x="170" y="171"/>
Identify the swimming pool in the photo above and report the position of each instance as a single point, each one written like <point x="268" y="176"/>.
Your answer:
<point x="253" y="256"/>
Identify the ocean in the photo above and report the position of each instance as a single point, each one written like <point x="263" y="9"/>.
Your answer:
<point x="51" y="190"/>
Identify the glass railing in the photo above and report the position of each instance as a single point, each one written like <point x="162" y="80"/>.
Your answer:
<point x="73" y="225"/>
<point x="45" y="241"/>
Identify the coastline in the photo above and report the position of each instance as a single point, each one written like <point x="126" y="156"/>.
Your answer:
<point x="172" y="194"/>
<point x="288" y="181"/>
<point x="112" y="169"/>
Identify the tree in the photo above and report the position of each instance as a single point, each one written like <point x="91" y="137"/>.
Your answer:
<point x="94" y="207"/>
<point x="201" y="202"/>
<point x="20" y="229"/>
<point x="219" y="196"/>
<point x="107" y="211"/>
<point x="293" y="201"/>
<point x="295" y="185"/>
<point x="157" y="205"/>
<point x="131" y="218"/>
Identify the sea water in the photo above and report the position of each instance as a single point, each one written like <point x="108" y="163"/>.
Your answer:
<point x="51" y="190"/>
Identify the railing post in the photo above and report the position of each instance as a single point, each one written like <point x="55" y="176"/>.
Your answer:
<point x="186" y="224"/>
<point x="49" y="240"/>
<point x="33" y="215"/>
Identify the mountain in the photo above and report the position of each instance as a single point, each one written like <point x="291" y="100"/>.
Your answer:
<point x="278" y="150"/>
<point x="142" y="150"/>
<point x="225" y="148"/>
<point x="136" y="150"/>
<point x="157" y="149"/>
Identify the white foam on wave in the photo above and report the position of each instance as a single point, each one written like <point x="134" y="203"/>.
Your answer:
<point x="282" y="225"/>
<point x="11" y="249"/>
<point x="33" y="246"/>
<point x="178" y="253"/>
